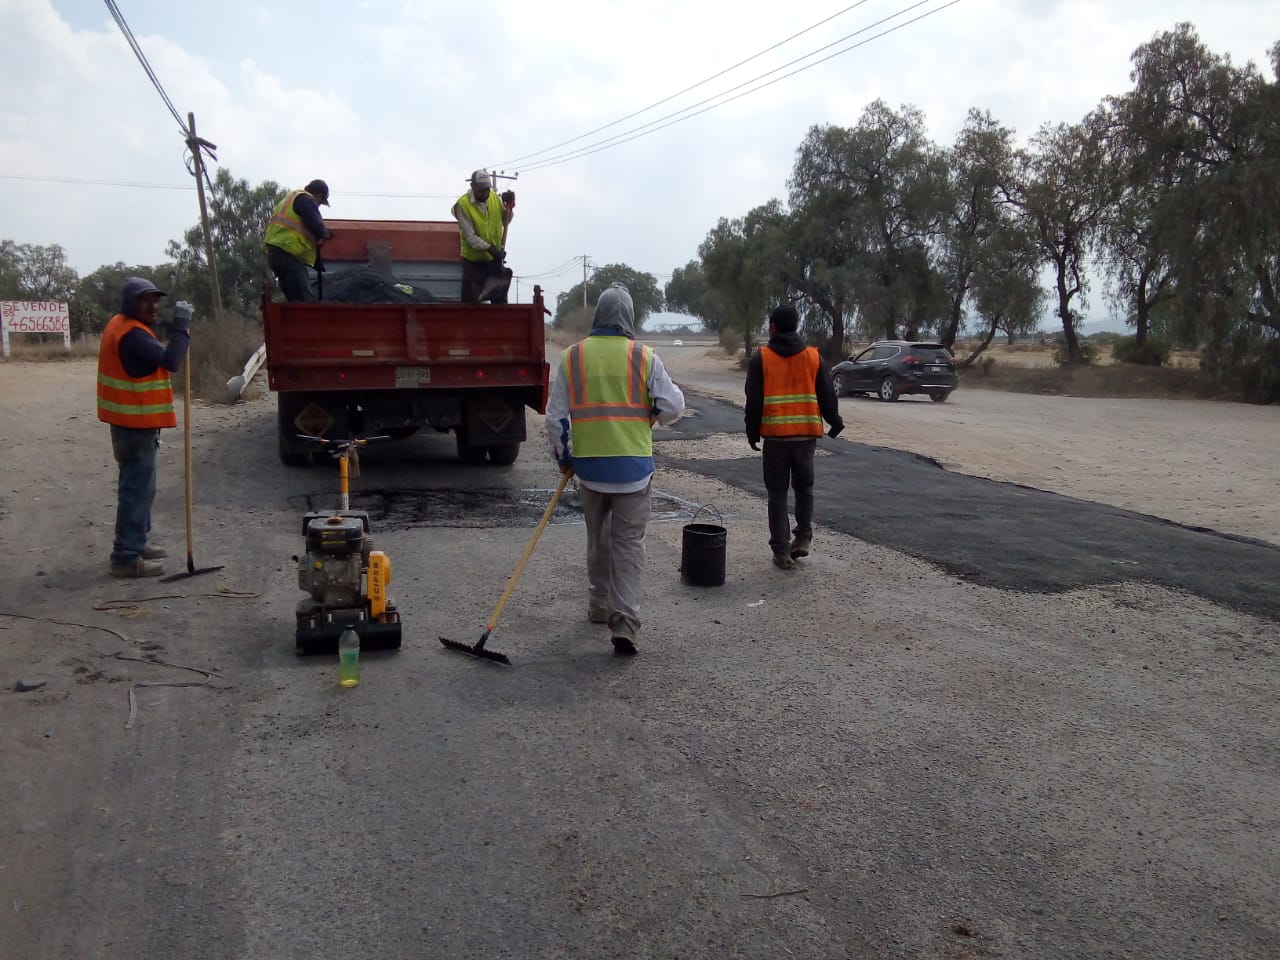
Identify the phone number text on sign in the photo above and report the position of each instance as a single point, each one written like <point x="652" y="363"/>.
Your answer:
<point x="34" y="316"/>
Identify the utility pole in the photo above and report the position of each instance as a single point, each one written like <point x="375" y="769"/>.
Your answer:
<point x="584" y="281"/>
<point x="196" y="145"/>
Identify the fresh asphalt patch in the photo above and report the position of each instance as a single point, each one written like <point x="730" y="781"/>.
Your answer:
<point x="1002" y="535"/>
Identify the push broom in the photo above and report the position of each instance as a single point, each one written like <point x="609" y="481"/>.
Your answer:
<point x="478" y="648"/>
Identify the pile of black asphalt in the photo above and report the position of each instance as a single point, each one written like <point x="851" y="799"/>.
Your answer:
<point x="367" y="285"/>
<point x="1002" y="535"/>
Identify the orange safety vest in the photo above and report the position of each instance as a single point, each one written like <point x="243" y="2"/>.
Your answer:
<point x="790" y="397"/>
<point x="138" y="402"/>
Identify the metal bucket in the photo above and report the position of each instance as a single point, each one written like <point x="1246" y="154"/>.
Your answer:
<point x="702" y="551"/>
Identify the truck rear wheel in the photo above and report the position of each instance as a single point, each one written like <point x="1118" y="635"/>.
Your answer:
<point x="469" y="452"/>
<point x="504" y="453"/>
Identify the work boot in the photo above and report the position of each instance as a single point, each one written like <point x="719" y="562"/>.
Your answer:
<point x="624" y="635"/>
<point x="783" y="561"/>
<point x="137" y="567"/>
<point x="800" y="547"/>
<point x="598" y="610"/>
<point x="150" y="552"/>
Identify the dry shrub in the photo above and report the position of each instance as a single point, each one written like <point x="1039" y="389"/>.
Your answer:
<point x="40" y="349"/>
<point x="1121" y="381"/>
<point x="219" y="349"/>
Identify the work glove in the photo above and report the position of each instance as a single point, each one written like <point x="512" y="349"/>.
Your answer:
<point x="182" y="313"/>
<point x="498" y="254"/>
<point x="509" y="199"/>
<point x="836" y="430"/>
<point x="755" y="445"/>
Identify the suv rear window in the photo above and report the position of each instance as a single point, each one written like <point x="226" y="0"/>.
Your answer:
<point x="931" y="354"/>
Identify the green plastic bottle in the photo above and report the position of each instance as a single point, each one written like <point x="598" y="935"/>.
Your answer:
<point x="348" y="658"/>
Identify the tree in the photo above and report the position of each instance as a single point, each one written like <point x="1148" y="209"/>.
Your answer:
<point x="868" y="202"/>
<point x="739" y="262"/>
<point x="689" y="292"/>
<point x="643" y="288"/>
<point x="30" y="271"/>
<point x="974" y="234"/>
<point x="97" y="297"/>
<point x="238" y="215"/>
<point x="1060" y="197"/>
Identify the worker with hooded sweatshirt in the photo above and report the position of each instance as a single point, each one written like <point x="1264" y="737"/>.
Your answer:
<point x="135" y="396"/>
<point x="295" y="234"/>
<point x="789" y="394"/>
<point x="600" y="415"/>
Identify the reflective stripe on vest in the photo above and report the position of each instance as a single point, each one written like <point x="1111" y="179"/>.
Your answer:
<point x="609" y="402"/>
<point x="488" y="224"/>
<point x="790" y="398"/>
<point x="286" y="230"/>
<point x="138" y="402"/>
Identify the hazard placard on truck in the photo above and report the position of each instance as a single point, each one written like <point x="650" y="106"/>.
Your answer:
<point x="396" y="368"/>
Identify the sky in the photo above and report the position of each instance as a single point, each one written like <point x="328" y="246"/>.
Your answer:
<point x="395" y="102"/>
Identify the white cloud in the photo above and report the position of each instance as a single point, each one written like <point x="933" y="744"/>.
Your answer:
<point x="407" y="97"/>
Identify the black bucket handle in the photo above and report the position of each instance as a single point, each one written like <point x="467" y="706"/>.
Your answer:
<point x="707" y="506"/>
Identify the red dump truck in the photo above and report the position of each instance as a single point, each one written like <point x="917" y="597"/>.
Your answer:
<point x="345" y="369"/>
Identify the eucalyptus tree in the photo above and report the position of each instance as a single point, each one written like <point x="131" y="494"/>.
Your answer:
<point x="1215" y="127"/>
<point x="1060" y="194"/>
<point x="740" y="260"/>
<point x="981" y="166"/>
<point x="870" y="199"/>
<point x="643" y="287"/>
<point x="1005" y="290"/>
<point x="689" y="292"/>
<point x="238" y="215"/>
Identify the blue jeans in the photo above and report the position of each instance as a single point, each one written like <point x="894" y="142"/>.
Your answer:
<point x="135" y="452"/>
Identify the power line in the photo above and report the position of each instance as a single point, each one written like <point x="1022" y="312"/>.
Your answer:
<point x="142" y="59"/>
<point x="84" y="181"/>
<point x="694" y="86"/>
<point x="671" y="119"/>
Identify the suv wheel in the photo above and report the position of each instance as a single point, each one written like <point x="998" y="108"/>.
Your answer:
<point x="837" y="381"/>
<point x="889" y="389"/>
<point x="940" y="397"/>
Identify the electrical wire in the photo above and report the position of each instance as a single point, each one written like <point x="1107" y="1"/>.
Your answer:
<point x="85" y="181"/>
<point x="671" y="119"/>
<point x="678" y="93"/>
<point x="142" y="59"/>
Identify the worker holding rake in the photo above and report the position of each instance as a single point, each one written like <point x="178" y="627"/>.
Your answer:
<point x="600" y="418"/>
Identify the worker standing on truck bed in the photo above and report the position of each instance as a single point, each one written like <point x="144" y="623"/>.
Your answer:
<point x="295" y="234"/>
<point x="482" y="230"/>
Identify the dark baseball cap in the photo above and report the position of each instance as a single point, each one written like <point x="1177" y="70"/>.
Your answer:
<point x="320" y="189"/>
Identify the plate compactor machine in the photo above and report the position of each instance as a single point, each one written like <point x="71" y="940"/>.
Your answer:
<point x="345" y="579"/>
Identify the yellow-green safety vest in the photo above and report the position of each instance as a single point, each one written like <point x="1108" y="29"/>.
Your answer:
<point x="488" y="224"/>
<point x="286" y="231"/>
<point x="609" y="402"/>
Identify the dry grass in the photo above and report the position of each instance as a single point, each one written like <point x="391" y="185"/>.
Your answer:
<point x="1097" y="380"/>
<point x="218" y="352"/>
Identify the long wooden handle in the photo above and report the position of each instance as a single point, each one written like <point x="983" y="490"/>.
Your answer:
<point x="186" y="447"/>
<point x="533" y="542"/>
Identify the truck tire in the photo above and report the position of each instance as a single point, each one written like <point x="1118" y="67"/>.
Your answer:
<point x="469" y="452"/>
<point x="504" y="454"/>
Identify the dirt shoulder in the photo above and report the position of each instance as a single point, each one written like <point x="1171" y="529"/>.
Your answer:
<point x="1200" y="463"/>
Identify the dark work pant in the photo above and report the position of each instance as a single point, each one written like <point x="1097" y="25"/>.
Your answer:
<point x="475" y="275"/>
<point x="135" y="452"/>
<point x="294" y="277"/>
<point x="788" y="464"/>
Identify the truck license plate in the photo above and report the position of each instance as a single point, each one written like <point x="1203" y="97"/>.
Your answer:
<point x="413" y="376"/>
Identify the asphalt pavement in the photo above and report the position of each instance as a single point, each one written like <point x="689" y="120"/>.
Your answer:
<point x="1003" y="535"/>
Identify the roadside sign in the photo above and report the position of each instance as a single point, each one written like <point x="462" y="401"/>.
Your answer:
<point x="34" y="316"/>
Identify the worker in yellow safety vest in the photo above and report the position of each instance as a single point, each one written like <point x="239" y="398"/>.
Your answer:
<point x="295" y="234"/>
<point x="483" y="219"/>
<point x="789" y="394"/>
<point x="600" y="416"/>
<point x="135" y="396"/>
